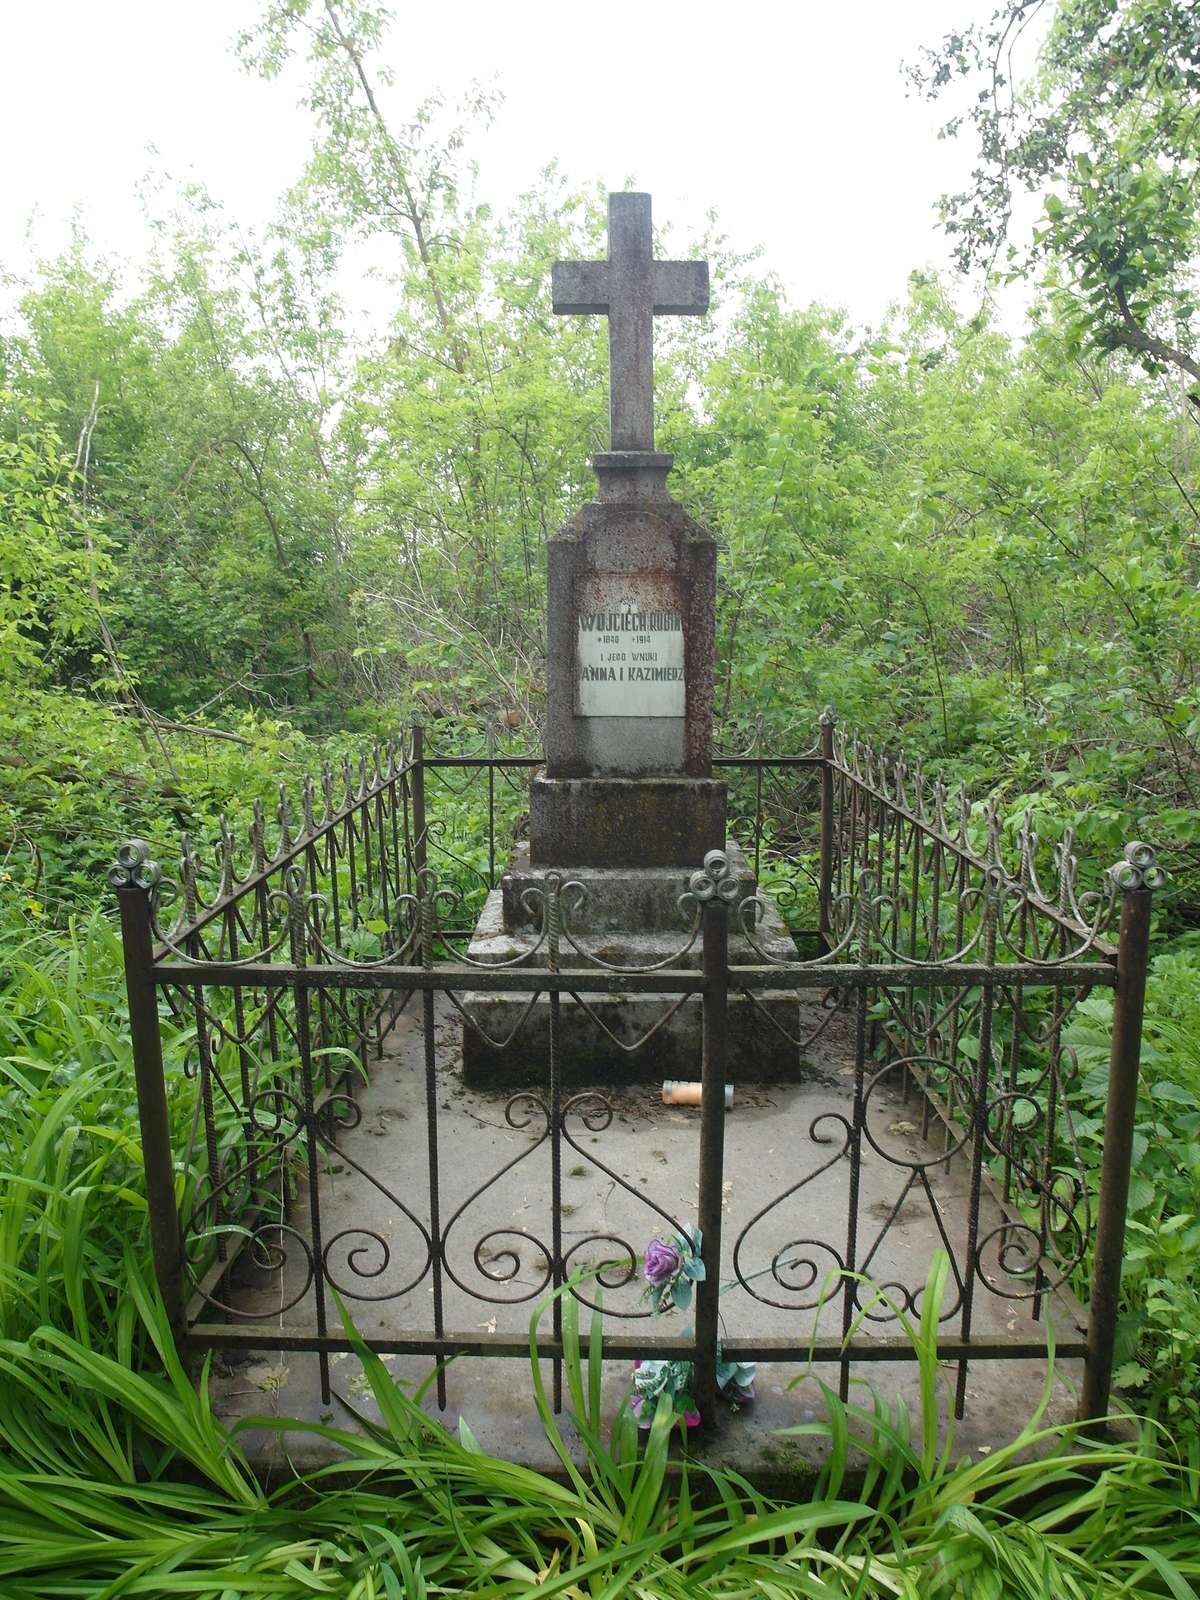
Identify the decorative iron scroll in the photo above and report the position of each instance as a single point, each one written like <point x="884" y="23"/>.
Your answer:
<point x="926" y="845"/>
<point x="956" y="948"/>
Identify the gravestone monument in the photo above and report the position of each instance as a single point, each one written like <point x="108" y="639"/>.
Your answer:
<point x="626" y="804"/>
<point x="632" y="591"/>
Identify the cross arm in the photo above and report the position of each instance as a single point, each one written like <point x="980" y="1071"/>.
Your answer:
<point x="580" y="287"/>
<point x="680" y="288"/>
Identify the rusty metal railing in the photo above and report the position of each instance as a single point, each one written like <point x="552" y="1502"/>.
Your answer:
<point x="955" y="973"/>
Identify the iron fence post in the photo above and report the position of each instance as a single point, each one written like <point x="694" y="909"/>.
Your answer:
<point x="420" y="840"/>
<point x="134" y="876"/>
<point x="825" y="881"/>
<point x="553" y="924"/>
<point x="1135" y="877"/>
<point x="712" y="887"/>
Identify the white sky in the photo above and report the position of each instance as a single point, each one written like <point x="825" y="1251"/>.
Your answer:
<point x="789" y="119"/>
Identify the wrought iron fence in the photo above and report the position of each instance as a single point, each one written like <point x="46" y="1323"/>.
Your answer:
<point x="954" y="965"/>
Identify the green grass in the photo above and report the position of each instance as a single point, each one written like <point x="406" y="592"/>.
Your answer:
<point x="116" y="1480"/>
<point x="115" y="1483"/>
<point x="71" y="1187"/>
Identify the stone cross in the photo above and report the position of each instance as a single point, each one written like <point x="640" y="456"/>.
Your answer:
<point x="631" y="289"/>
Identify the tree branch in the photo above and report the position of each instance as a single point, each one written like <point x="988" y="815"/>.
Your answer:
<point x="1132" y="336"/>
<point x="411" y="209"/>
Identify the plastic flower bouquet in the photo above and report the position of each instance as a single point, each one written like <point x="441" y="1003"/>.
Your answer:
<point x="671" y="1270"/>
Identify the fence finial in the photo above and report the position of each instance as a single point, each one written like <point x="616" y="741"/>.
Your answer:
<point x="940" y="793"/>
<point x="284" y="813"/>
<point x="189" y="877"/>
<point x="133" y="868"/>
<point x="715" y="879"/>
<point x="1138" y="868"/>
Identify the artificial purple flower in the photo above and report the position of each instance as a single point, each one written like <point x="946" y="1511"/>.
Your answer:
<point x="662" y="1263"/>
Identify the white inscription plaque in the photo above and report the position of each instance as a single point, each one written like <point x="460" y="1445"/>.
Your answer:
<point x="629" y="659"/>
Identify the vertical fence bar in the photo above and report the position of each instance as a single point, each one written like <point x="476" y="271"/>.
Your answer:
<point x="491" y="788"/>
<point x="324" y="1029"/>
<point x="935" y="995"/>
<point x="845" y="822"/>
<point x="295" y="892"/>
<point x="420" y="843"/>
<point x="1054" y="1050"/>
<point x="825" y="884"/>
<point x="959" y="873"/>
<point x="993" y="910"/>
<point x="427" y="892"/>
<point x="408" y="883"/>
<point x="239" y="1023"/>
<point x="758" y="805"/>
<point x="851" y="849"/>
<point x="1135" y="877"/>
<point x="863" y="929"/>
<point x="395" y="791"/>
<point x="134" y="876"/>
<point x="714" y="926"/>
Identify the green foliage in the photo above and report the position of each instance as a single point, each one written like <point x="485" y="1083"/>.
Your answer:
<point x="979" y="553"/>
<point x="1159" y="1334"/>
<point x="51" y="563"/>
<point x="127" y="1482"/>
<point x="1108" y="126"/>
<point x="237" y="530"/>
<point x="77" y="778"/>
<point x="72" y="1202"/>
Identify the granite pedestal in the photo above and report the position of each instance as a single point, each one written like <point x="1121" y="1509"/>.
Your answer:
<point x="630" y="917"/>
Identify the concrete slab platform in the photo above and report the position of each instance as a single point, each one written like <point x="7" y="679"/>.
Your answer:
<point x="625" y="1178"/>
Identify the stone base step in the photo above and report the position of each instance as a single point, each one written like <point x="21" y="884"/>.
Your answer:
<point x="629" y="920"/>
<point x="599" y="1039"/>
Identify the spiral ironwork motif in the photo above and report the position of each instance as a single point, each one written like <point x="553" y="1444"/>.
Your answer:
<point x="370" y="1243"/>
<point x="595" y="1113"/>
<point x="821" y="1131"/>
<point x="1138" y="868"/>
<point x="934" y="1158"/>
<point x="133" y="868"/>
<point x="267" y="1255"/>
<point x="613" y="1274"/>
<point x="521" y="1111"/>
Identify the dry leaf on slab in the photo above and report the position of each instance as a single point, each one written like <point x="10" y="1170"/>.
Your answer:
<point x="269" y="1379"/>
